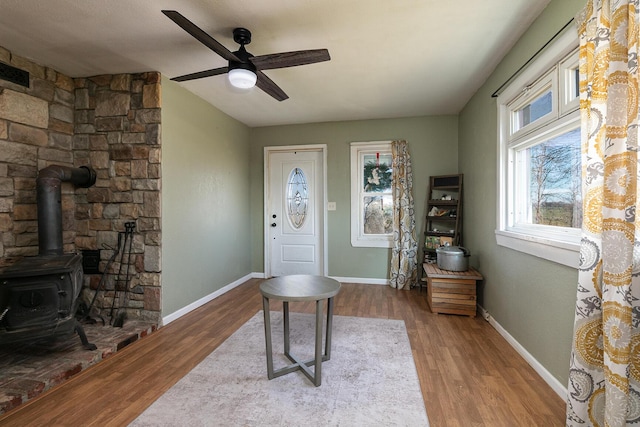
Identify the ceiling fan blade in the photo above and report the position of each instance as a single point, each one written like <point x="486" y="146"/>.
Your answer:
<point x="200" y="35"/>
<point x="201" y="74"/>
<point x="267" y="85"/>
<point x="290" y="59"/>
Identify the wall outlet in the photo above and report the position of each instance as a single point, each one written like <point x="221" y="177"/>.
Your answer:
<point x="331" y="206"/>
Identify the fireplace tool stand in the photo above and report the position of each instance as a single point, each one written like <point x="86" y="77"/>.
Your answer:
<point x="121" y="285"/>
<point x="117" y="313"/>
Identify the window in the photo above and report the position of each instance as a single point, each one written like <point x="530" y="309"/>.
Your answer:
<point x="371" y="199"/>
<point x="297" y="198"/>
<point x="540" y="200"/>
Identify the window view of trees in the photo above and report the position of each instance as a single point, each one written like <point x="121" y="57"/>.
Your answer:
<point x="378" y="207"/>
<point x="378" y="215"/>
<point x="555" y="194"/>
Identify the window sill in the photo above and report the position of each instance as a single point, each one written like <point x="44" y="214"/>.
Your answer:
<point x="561" y="252"/>
<point x="362" y="243"/>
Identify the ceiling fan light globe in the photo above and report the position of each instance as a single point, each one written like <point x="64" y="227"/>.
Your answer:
<point x="242" y="79"/>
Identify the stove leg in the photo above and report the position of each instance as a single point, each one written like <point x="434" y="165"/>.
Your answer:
<point x="83" y="337"/>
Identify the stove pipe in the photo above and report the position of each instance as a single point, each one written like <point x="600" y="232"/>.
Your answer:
<point x="49" y="198"/>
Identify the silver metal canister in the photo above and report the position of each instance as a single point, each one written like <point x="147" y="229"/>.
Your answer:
<point x="453" y="258"/>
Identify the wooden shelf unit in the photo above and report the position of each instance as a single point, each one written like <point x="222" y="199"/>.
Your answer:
<point x="446" y="227"/>
<point x="443" y="222"/>
<point x="451" y="292"/>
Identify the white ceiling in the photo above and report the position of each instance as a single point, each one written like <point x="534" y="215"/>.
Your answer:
<point x="396" y="58"/>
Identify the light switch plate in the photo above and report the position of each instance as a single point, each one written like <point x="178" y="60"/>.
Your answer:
<point x="331" y="206"/>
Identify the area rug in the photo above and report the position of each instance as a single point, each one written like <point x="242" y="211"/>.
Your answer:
<point x="371" y="380"/>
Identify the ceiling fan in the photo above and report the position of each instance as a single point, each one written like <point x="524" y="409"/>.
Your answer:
<point x="244" y="69"/>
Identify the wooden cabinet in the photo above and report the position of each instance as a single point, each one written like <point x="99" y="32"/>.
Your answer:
<point x="443" y="223"/>
<point x="451" y="292"/>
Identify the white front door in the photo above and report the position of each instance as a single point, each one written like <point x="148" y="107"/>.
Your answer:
<point x="294" y="208"/>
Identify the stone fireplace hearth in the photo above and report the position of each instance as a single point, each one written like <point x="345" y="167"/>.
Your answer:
<point x="28" y="370"/>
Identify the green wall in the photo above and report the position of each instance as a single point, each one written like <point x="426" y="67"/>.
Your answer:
<point x="213" y="201"/>
<point x="433" y="146"/>
<point x="531" y="298"/>
<point x="205" y="199"/>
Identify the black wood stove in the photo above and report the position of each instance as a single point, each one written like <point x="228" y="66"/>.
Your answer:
<point x="39" y="295"/>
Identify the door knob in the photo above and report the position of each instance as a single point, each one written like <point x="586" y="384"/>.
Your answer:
<point x="273" y="224"/>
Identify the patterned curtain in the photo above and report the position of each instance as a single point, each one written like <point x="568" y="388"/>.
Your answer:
<point x="604" y="376"/>
<point x="404" y="254"/>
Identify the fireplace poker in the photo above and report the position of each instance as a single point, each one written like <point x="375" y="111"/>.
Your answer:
<point x="122" y="312"/>
<point x="116" y="291"/>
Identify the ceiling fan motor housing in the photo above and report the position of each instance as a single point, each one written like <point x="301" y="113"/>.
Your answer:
<point x="244" y="62"/>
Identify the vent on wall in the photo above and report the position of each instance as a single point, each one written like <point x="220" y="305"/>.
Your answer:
<point x="14" y="75"/>
<point x="91" y="261"/>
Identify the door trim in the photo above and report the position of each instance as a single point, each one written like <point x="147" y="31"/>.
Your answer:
<point x="265" y="216"/>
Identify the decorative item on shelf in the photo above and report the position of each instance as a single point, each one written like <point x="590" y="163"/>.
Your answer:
<point x="435" y="211"/>
<point x="430" y="257"/>
<point x="446" y="241"/>
<point x="431" y="242"/>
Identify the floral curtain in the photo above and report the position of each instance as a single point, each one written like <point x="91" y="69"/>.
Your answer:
<point x="404" y="254"/>
<point x="604" y="376"/>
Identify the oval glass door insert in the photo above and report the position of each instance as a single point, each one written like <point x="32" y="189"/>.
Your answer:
<point x="297" y="198"/>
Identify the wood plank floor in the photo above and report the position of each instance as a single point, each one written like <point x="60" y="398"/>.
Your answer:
<point x="469" y="375"/>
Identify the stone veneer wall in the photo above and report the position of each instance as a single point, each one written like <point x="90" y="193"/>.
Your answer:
<point x="117" y="132"/>
<point x="110" y="123"/>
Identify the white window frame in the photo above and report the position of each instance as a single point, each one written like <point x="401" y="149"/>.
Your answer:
<point x="551" y="69"/>
<point x="358" y="238"/>
<point x="543" y="84"/>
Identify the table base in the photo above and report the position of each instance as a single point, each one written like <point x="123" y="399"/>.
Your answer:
<point x="314" y="376"/>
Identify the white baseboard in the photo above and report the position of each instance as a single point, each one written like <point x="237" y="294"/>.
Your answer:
<point x="366" y="281"/>
<point x="255" y="275"/>
<point x="202" y="301"/>
<point x="537" y="366"/>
